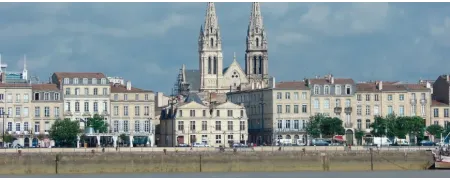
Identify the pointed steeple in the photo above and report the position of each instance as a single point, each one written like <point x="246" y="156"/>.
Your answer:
<point x="211" y="22"/>
<point x="256" y="23"/>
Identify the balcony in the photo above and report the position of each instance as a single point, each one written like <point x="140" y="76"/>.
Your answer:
<point x="423" y="101"/>
<point x="337" y="110"/>
<point x="86" y="114"/>
<point x="348" y="110"/>
<point x="105" y="113"/>
<point x="348" y="125"/>
<point x="289" y="130"/>
<point x="413" y="101"/>
<point x="68" y="113"/>
<point x="18" y="133"/>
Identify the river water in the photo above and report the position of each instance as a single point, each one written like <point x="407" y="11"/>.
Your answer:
<point x="377" y="174"/>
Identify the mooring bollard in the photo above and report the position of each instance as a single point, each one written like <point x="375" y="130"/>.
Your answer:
<point x="165" y="151"/>
<point x="325" y="164"/>
<point x="371" y="159"/>
<point x="93" y="151"/>
<point x="103" y="149"/>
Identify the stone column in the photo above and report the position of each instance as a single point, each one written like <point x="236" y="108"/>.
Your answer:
<point x="114" y="141"/>
<point x="98" y="140"/>
<point x="131" y="141"/>
<point x="78" y="141"/>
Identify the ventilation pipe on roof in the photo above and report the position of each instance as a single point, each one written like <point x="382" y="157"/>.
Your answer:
<point x="428" y="84"/>
<point x="332" y="79"/>
<point x="128" y="85"/>
<point x="380" y="85"/>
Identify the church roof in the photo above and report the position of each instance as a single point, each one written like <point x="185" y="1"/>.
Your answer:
<point x="193" y="97"/>
<point x="193" y="78"/>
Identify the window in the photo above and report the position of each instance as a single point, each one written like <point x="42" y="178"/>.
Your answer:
<point x="230" y="113"/>
<point x="390" y="110"/>
<point x="67" y="106"/>
<point x="85" y="80"/>
<point x="95" y="91"/>
<point x="347" y="103"/>
<point x="446" y="112"/>
<point x="413" y="96"/>
<point x="146" y="111"/>
<point x="359" y="124"/>
<point x="86" y="106"/>
<point x="25" y="112"/>
<point x="327" y="90"/>
<point x="401" y="97"/>
<point x="338" y="103"/>
<point x="288" y="95"/>
<point x="77" y="91"/>
<point x="75" y="80"/>
<point x="401" y="110"/>
<point x="25" y="126"/>
<point x="316" y="104"/>
<point x="422" y="109"/>
<point x="86" y="91"/>
<point x="436" y="112"/>
<point x="218" y="126"/>
<point x="125" y="126"/>
<point x="367" y="123"/>
<point x="304" y="95"/>
<point x="180" y="125"/>
<point x="67" y="91"/>
<point x="47" y="111"/>
<point x="296" y="109"/>
<point x="9" y="98"/>
<point x="116" y="97"/>
<point x="9" y="128"/>
<point x="304" y="108"/>
<point x="280" y="124"/>
<point x="125" y="97"/>
<point x="413" y="110"/>
<point x="18" y="111"/>
<point x="105" y="91"/>
<point x="348" y="90"/>
<point x="288" y="124"/>
<point x="56" y="97"/>
<point x="37" y="127"/>
<point x="56" y="111"/>
<point x="279" y="95"/>
<point x="147" y="126"/>
<point x="66" y="80"/>
<point x="338" y="90"/>
<point x="105" y="106"/>
<point x="436" y="122"/>
<point x="375" y="110"/>
<point x="218" y="113"/>
<point x="116" y="110"/>
<point x="94" y="81"/>
<point x="316" y="89"/>
<point x="103" y="81"/>
<point x="218" y="139"/>
<point x="137" y="110"/>
<point x="37" y="112"/>
<point x="181" y="113"/>
<point x="77" y="106"/>
<point x="279" y="109"/>
<point x="146" y="97"/>
<point x="389" y="97"/>
<point x="116" y="126"/>
<point x="296" y="124"/>
<point x="125" y="110"/>
<point x="288" y="108"/>
<point x="242" y="126"/>
<point x="422" y="96"/>
<point x="96" y="107"/>
<point x="358" y="110"/>
<point x="242" y="113"/>
<point x="47" y="127"/>
<point x="376" y="97"/>
<point x="367" y="97"/>
<point x="296" y="95"/>
<point x="192" y="125"/>
<point x="204" y="125"/>
<point x="1" y="97"/>
<point x="358" y="97"/>
<point x="230" y="125"/>
<point x="17" y="126"/>
<point x="367" y="110"/>
<point x="326" y="105"/>
<point x="17" y="98"/>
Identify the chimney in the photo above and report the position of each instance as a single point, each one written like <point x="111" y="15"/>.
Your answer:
<point x="380" y="85"/>
<point x="128" y="85"/>
<point x="332" y="79"/>
<point x="3" y="77"/>
<point x="428" y="85"/>
<point x="448" y="77"/>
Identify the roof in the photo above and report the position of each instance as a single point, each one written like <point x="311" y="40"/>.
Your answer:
<point x="372" y="87"/>
<point x="14" y="85"/>
<point x="290" y="85"/>
<point x="62" y="75"/>
<point x="193" y="78"/>
<point x="366" y="87"/>
<point x="193" y="97"/>
<point x="45" y="87"/>
<point x="119" y="88"/>
<point x="437" y="103"/>
<point x="327" y="81"/>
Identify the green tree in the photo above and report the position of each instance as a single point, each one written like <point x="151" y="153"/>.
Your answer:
<point x="331" y="126"/>
<point x="401" y="127"/>
<point x="379" y="126"/>
<point x="313" y="125"/>
<point x="123" y="138"/>
<point x="416" y="127"/>
<point x="65" y="132"/>
<point x="435" y="130"/>
<point x="359" y="136"/>
<point x="8" y="138"/>
<point x="97" y="123"/>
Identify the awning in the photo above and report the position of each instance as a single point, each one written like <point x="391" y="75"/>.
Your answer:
<point x="338" y="138"/>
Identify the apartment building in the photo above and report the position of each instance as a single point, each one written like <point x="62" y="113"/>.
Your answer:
<point x="47" y="107"/>
<point x="440" y="106"/>
<point x="84" y="94"/>
<point x="15" y="106"/>
<point x="133" y="113"/>
<point x="191" y="121"/>
<point x="278" y="112"/>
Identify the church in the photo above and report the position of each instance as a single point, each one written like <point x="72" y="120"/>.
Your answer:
<point x="212" y="77"/>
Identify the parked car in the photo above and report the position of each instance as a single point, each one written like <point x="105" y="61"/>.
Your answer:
<point x="426" y="143"/>
<point x="200" y="145"/>
<point x="319" y="142"/>
<point x="239" y="145"/>
<point x="183" y="145"/>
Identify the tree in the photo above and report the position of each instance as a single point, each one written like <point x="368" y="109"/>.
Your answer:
<point x="98" y="123"/>
<point x="313" y="125"/>
<point x="359" y="135"/>
<point x="8" y="138"/>
<point x="416" y="127"/>
<point x="435" y="130"/>
<point x="65" y="132"/>
<point x="379" y="126"/>
<point x="322" y="125"/>
<point x="400" y="127"/>
<point x="123" y="138"/>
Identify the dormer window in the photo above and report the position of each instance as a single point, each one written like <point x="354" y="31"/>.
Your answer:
<point x="338" y="89"/>
<point x="85" y="80"/>
<point x="75" y="80"/>
<point x="348" y="90"/>
<point x="56" y="96"/>
<point x="316" y="89"/>
<point x="103" y="81"/>
<point x="36" y="96"/>
<point x="66" y="80"/>
<point x="94" y="81"/>
<point x="327" y="89"/>
<point x="47" y="96"/>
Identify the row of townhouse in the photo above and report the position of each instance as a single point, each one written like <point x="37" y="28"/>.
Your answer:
<point x="282" y="111"/>
<point x="29" y="110"/>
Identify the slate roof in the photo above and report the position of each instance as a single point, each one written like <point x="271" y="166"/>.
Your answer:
<point x="193" y="78"/>
<point x="193" y="97"/>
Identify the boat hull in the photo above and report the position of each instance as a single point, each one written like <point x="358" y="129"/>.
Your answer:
<point x="442" y="165"/>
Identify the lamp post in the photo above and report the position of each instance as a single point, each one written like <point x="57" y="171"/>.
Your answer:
<point x="262" y="117"/>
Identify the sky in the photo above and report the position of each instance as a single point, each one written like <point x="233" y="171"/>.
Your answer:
<point x="147" y="43"/>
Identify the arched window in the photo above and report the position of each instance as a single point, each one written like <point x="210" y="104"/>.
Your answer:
<point x="257" y="42"/>
<point x="210" y="29"/>
<point x="209" y="65"/>
<point x="260" y="65"/>
<point x="254" y="64"/>
<point x="212" y="42"/>
<point x="316" y="89"/>
<point x="215" y="65"/>
<point x="327" y="90"/>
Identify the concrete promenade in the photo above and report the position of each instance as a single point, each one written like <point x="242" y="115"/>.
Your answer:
<point x="211" y="149"/>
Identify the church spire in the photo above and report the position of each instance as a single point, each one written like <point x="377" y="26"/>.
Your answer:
<point x="211" y="22"/>
<point x="256" y="22"/>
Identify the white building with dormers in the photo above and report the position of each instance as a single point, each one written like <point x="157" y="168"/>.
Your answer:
<point x="211" y="76"/>
<point x="84" y="94"/>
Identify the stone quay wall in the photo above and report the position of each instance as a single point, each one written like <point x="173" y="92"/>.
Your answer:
<point x="163" y="162"/>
